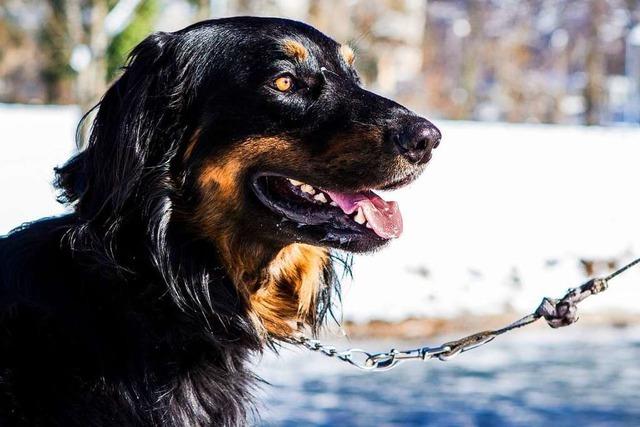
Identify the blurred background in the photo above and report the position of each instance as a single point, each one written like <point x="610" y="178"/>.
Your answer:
<point x="538" y="61"/>
<point x="532" y="191"/>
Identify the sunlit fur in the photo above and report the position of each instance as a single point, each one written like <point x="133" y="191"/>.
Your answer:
<point x="348" y="54"/>
<point x="295" y="49"/>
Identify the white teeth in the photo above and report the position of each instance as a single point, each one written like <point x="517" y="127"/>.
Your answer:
<point x="368" y="225"/>
<point x="308" y="189"/>
<point x="360" y="218"/>
<point x="296" y="183"/>
<point x="320" y="197"/>
<point x="332" y="203"/>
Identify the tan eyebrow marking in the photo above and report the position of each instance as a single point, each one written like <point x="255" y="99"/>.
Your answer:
<point x="295" y="49"/>
<point x="348" y="54"/>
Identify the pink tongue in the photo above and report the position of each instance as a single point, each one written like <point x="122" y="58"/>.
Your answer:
<point x="383" y="217"/>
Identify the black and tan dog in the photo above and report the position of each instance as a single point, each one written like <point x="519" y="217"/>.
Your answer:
<point x="221" y="167"/>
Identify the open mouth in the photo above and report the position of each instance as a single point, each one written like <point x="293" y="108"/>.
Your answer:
<point x="341" y="215"/>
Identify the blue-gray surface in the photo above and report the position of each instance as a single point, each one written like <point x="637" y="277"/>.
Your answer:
<point x="572" y="377"/>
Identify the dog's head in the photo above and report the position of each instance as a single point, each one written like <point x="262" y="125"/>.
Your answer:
<point x="253" y="133"/>
<point x="292" y="147"/>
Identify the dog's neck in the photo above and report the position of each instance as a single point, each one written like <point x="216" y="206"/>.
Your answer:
<point x="280" y="283"/>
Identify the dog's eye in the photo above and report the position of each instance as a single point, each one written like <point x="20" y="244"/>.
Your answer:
<point x="283" y="83"/>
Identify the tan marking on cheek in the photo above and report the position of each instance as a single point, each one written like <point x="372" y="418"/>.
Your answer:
<point x="219" y="184"/>
<point x="224" y="176"/>
<point x="295" y="50"/>
<point x="347" y="54"/>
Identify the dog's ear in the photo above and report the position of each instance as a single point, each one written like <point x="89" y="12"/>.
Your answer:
<point x="123" y="174"/>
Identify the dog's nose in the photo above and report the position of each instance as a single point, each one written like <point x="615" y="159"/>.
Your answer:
<point x="416" y="141"/>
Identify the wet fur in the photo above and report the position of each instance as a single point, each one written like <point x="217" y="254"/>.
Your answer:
<point x="144" y="305"/>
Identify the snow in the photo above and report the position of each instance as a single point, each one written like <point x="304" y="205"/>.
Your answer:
<point x="500" y="218"/>
<point x="33" y="139"/>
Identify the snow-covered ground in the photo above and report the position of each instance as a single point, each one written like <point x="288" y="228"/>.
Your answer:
<point x="500" y="218"/>
<point x="33" y="139"/>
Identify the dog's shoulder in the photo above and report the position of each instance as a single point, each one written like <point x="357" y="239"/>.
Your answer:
<point x="29" y="258"/>
<point x="31" y="253"/>
<point x="35" y="267"/>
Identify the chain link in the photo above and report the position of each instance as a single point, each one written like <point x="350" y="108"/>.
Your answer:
<point x="556" y="312"/>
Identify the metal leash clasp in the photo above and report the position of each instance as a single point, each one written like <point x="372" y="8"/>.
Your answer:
<point x="467" y="343"/>
<point x="385" y="361"/>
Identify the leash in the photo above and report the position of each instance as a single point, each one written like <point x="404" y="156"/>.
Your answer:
<point x="557" y="313"/>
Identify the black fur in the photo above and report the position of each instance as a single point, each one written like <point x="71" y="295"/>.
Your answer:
<point x="122" y="313"/>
